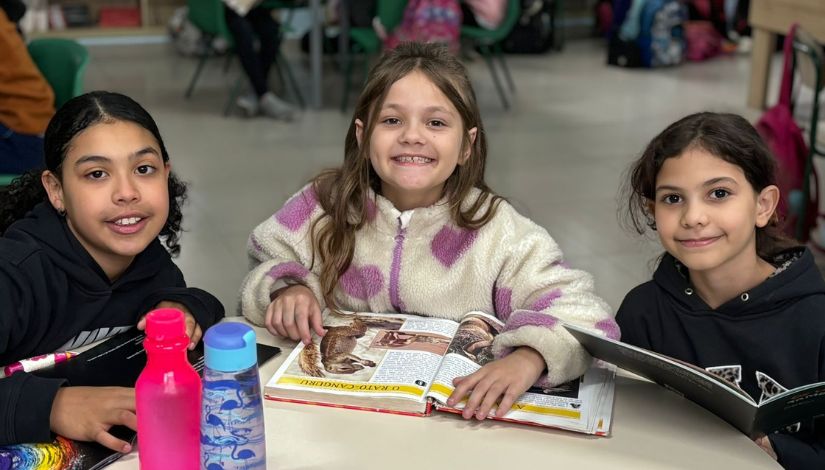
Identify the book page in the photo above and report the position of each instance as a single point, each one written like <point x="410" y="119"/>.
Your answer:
<point x="364" y="354"/>
<point x="575" y="405"/>
<point x="471" y="348"/>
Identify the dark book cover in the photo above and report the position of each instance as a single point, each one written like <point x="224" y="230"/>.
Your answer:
<point x="115" y="362"/>
<point x="717" y="395"/>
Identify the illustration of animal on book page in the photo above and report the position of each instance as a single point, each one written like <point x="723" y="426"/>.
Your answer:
<point x="355" y="344"/>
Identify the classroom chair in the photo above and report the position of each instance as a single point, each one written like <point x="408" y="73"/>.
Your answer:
<point x="488" y="43"/>
<point x="364" y="41"/>
<point x="63" y="63"/>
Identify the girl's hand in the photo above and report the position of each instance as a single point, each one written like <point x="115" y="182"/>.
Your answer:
<point x="507" y="378"/>
<point x="193" y="330"/>
<point x="87" y="414"/>
<point x="765" y="444"/>
<point x="293" y="312"/>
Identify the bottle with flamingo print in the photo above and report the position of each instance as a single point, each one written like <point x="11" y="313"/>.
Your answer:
<point x="232" y="420"/>
<point x="168" y="396"/>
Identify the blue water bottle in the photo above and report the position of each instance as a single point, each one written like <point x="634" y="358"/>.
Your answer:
<point x="232" y="420"/>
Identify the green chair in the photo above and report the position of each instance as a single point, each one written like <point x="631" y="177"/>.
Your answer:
<point x="366" y="42"/>
<point x="809" y="65"/>
<point x="6" y="180"/>
<point x="488" y="42"/>
<point x="63" y="63"/>
<point x="208" y="17"/>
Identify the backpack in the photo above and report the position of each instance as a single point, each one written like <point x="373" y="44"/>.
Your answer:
<point x="702" y="40"/>
<point x="428" y="21"/>
<point x="783" y="136"/>
<point x="647" y="33"/>
<point x="534" y="32"/>
<point x="709" y="10"/>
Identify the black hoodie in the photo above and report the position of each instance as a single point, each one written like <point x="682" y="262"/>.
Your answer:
<point x="769" y="339"/>
<point x="53" y="295"/>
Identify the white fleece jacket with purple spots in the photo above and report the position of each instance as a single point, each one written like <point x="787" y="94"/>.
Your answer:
<point x="419" y="262"/>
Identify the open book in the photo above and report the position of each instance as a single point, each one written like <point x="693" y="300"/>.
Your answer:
<point x="717" y="395"/>
<point x="406" y="364"/>
<point x="118" y="361"/>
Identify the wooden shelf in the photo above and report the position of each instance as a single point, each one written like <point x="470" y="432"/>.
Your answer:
<point x="97" y="32"/>
<point x="154" y="16"/>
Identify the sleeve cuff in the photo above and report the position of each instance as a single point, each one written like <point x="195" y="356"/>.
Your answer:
<point x="566" y="359"/>
<point x="33" y="408"/>
<point x="795" y="453"/>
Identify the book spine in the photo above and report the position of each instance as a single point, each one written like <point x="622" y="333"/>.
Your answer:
<point x="350" y="407"/>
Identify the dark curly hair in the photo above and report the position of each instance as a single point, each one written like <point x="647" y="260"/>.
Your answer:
<point x="71" y="119"/>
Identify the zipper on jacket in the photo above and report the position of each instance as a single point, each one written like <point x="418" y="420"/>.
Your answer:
<point x="395" y="268"/>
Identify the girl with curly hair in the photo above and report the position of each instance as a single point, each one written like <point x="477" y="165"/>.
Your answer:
<point x="81" y="259"/>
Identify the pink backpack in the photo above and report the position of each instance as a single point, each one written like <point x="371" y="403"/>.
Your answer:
<point x="779" y="130"/>
<point x="429" y="21"/>
<point x="702" y="41"/>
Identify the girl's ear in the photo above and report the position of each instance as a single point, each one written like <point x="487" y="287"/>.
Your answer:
<point x="469" y="151"/>
<point x="650" y="207"/>
<point x="650" y="213"/>
<point x="54" y="190"/>
<point x="766" y="202"/>
<point x="359" y="132"/>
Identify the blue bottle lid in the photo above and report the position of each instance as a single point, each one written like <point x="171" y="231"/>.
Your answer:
<point x="230" y="347"/>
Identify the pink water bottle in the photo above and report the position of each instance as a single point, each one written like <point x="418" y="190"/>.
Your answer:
<point x="168" y="394"/>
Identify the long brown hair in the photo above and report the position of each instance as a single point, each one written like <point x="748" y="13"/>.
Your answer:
<point x="343" y="192"/>
<point x="726" y="136"/>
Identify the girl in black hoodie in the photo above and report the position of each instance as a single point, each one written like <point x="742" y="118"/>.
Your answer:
<point x="731" y="294"/>
<point x="81" y="259"/>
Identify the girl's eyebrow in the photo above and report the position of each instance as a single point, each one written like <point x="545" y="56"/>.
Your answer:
<point x="101" y="159"/>
<point x="428" y="109"/>
<point x="710" y="182"/>
<point x="721" y="179"/>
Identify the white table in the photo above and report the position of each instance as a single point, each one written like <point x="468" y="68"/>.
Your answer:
<point x="652" y="429"/>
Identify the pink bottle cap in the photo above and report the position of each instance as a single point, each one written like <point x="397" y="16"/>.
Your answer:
<point x="164" y="324"/>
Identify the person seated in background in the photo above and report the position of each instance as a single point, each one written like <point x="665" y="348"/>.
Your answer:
<point x="258" y="24"/>
<point x="26" y="102"/>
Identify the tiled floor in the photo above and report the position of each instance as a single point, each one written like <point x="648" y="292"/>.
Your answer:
<point x="558" y="155"/>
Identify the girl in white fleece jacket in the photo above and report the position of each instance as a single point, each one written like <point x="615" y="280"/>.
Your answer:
<point x="408" y="225"/>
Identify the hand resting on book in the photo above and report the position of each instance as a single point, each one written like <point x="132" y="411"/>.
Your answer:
<point x="506" y="379"/>
<point x="87" y="414"/>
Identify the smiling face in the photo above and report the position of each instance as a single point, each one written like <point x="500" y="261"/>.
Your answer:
<point x="114" y="191"/>
<point x="706" y="212"/>
<point x="416" y="143"/>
